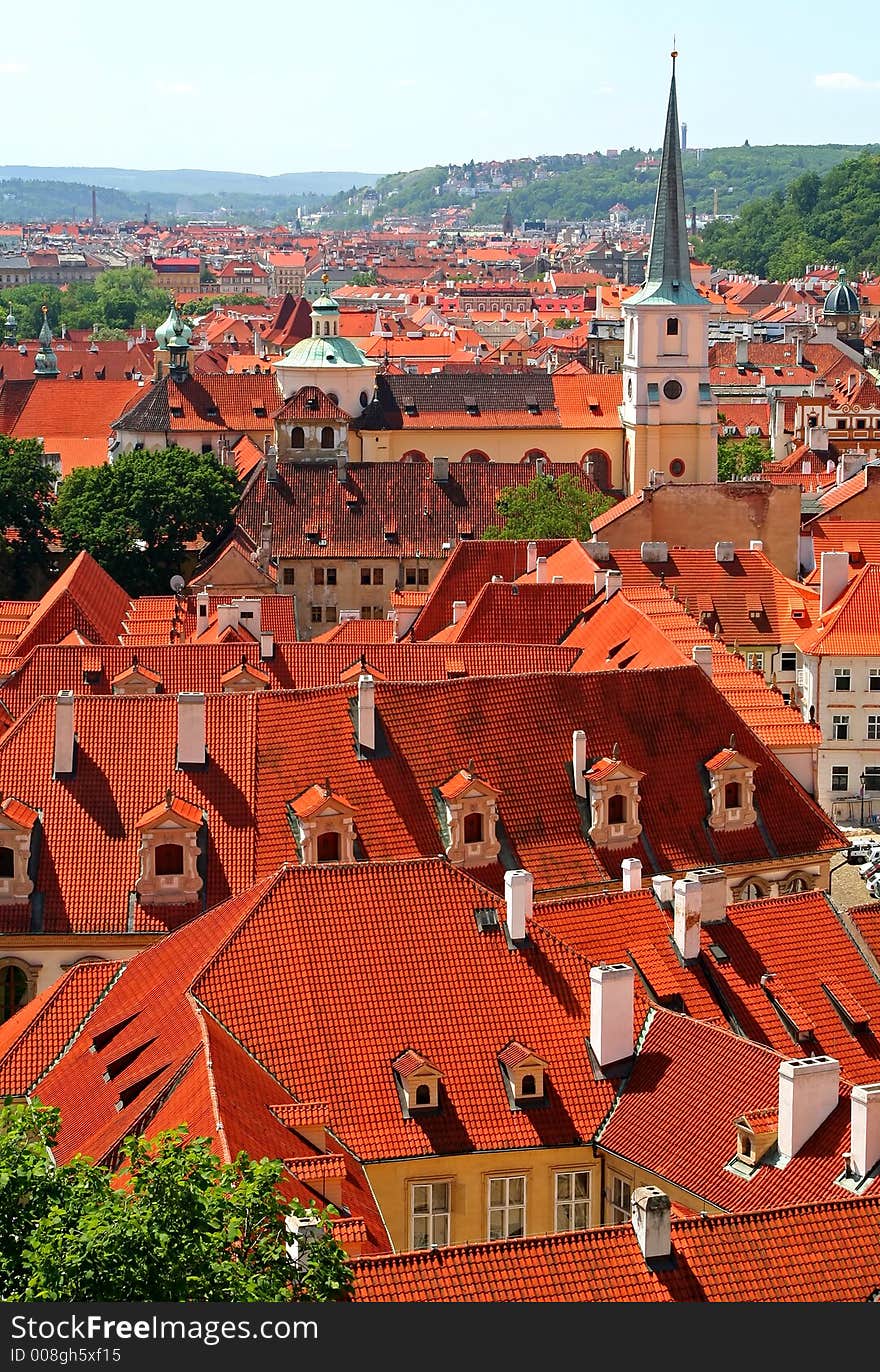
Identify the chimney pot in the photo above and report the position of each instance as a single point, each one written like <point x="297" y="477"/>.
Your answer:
<point x="440" y="467"/>
<point x="541" y="571"/>
<point x="613" y="580"/>
<point x="632" y="874"/>
<point x="267" y="645"/>
<point x="366" y="712"/>
<point x="808" y="1090"/>
<point x="458" y="609"/>
<point x="687" y="905"/>
<point x="556" y="579"/>
<point x="702" y="655"/>
<point x="724" y="552"/>
<point x="191" y="751"/>
<point x="865" y="1128"/>
<point x="833" y="578"/>
<point x="531" y="555"/>
<point x="756" y="545"/>
<point x="611" y="1012"/>
<point x="519" y="887"/>
<point x="654" y="552"/>
<point x="62" y="764"/>
<point x="662" y="887"/>
<point x="651" y="1219"/>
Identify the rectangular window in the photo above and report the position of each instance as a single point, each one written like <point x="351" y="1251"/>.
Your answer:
<point x="874" y="679"/>
<point x="287" y="576"/>
<point x="621" y="1200"/>
<point x="331" y="576"/>
<point x="842" y="680"/>
<point x="840" y="778"/>
<point x="874" y="726"/>
<point x="330" y="614"/>
<point x="755" y="660"/>
<point x="840" y="726"/>
<point x="787" y="662"/>
<point x="429" y="1213"/>
<point x="318" y="576"/>
<point x="507" y="1208"/>
<point x="572" y="1201"/>
<point x="872" y="779"/>
<point x="423" y="576"/>
<point x="378" y="576"/>
<point x="365" y="576"/>
<point x="409" y="576"/>
<point x="316" y="614"/>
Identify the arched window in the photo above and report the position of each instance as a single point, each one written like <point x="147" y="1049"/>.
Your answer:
<point x="597" y="466"/>
<point x="752" y="890"/>
<point x="632" y="333"/>
<point x="475" y="456"/>
<point x="473" y="828"/>
<point x="732" y="795"/>
<point x="423" y="1095"/>
<point x="7" y="862"/>
<point x="617" y="809"/>
<point x="672" y="327"/>
<point x="328" y="846"/>
<point x="169" y="860"/>
<point x="533" y="454"/>
<point x="528" y="1085"/>
<point x="298" y="437"/>
<point x="328" y="437"/>
<point x="13" y="990"/>
<point x="364" y="399"/>
<point x="413" y="456"/>
<point x="331" y="395"/>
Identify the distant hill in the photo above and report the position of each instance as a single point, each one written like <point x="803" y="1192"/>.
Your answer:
<point x="194" y="182"/>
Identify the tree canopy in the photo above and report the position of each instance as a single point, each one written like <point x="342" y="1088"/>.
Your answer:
<point x="174" y="1223"/>
<point x="136" y="514"/>
<point x="27" y="484"/>
<point x="548" y="507"/>
<point x="741" y="457"/>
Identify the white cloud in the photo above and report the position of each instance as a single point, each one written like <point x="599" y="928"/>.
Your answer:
<point x="12" y="68"/>
<point x="844" y="81"/>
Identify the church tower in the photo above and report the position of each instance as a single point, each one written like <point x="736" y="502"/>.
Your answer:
<point x="668" y="413"/>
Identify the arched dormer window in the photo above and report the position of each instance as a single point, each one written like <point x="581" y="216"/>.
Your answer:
<point x="18" y="825"/>
<point x="297" y="436"/>
<point x="323" y="826"/>
<point x="522" y="1072"/>
<point x="417" y="1082"/>
<point x="732" y="795"/>
<point x="423" y="1094"/>
<point x="528" y="1087"/>
<point x="731" y="789"/>
<point x="169" y="859"/>
<point x="617" y="809"/>
<point x="328" y="437"/>
<point x="614" y="802"/>
<point x="18" y="985"/>
<point x="7" y="863"/>
<point x="169" y="853"/>
<point x="328" y="846"/>
<point x="467" y="808"/>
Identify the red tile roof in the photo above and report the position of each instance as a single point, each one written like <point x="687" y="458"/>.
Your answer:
<point x="469" y="566"/>
<point x="850" y="627"/>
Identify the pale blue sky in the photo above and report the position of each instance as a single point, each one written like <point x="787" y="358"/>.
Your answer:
<point x="399" y="84"/>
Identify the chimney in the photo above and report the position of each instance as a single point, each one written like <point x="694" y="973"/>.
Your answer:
<point x="799" y="350"/>
<point x="541" y="571"/>
<point x="531" y="556"/>
<point x="227" y="616"/>
<point x="632" y="874"/>
<point x="713" y="893"/>
<point x="191" y="729"/>
<point x="599" y="580"/>
<point x="341" y="468"/>
<point x="266" y="541"/>
<point x="702" y="655"/>
<point x="62" y="764"/>
<point x="651" y="1216"/>
<point x="271" y="463"/>
<point x="724" y="552"/>
<point x="833" y="578"/>
<point x="612" y="583"/>
<point x="203" y="607"/>
<point x="864" y="1147"/>
<point x="756" y="545"/>
<point x="654" y="552"/>
<point x="267" y="645"/>
<point x="806" y="467"/>
<point x="597" y="549"/>
<point x="687" y="905"/>
<point x="611" y="1012"/>
<point x="366" y="712"/>
<point x="458" y="609"/>
<point x="662" y="887"/>
<point x="742" y="349"/>
<point x="519" y="889"/>
<point x="441" y="468"/>
<point x="557" y="579"/>
<point x="808" y="1090"/>
<point x="249" y="609"/>
<point x="579" y="761"/>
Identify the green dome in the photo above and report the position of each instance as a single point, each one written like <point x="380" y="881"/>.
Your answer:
<point x="324" y="352"/>
<point x="841" y="299"/>
<point x="173" y="333"/>
<point x="325" y="304"/>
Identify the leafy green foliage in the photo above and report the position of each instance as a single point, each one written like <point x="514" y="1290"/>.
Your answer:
<point x="27" y="484"/>
<point x="833" y="218"/>
<point x="365" y="279"/>
<point x="136" y="515"/>
<point x="548" y="507"/>
<point x="121" y="298"/>
<point x="740" y="457"/>
<point x="173" y="1224"/>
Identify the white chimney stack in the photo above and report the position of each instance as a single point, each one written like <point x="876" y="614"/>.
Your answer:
<point x="599" y="579"/>
<point x="203" y="611"/>
<point x="541" y="570"/>
<point x="662" y="888"/>
<point x="702" y="655"/>
<point x="864" y="1148"/>
<point x="724" y="552"/>
<point x="713" y="893"/>
<point x="531" y="556"/>
<point x="632" y="874"/>
<point x="267" y="644"/>
<point x="191" y="729"/>
<point x="519" y="890"/>
<point x="611" y="1012"/>
<point x="612" y="583"/>
<point x="808" y="1089"/>
<point x="687" y="903"/>
<point x="833" y="578"/>
<point x="366" y="712"/>
<point x="756" y="545"/>
<point x="651" y="1217"/>
<point x="62" y="764"/>
<point x="249" y="610"/>
<point x="557" y="579"/>
<point x="579" y="761"/>
<point x="458" y="609"/>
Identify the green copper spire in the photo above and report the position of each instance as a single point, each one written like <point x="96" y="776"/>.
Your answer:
<point x="11" y="333"/>
<point x="45" y="361"/>
<point x="668" y="279"/>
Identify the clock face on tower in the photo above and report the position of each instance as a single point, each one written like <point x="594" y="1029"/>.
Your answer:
<point x="672" y="389"/>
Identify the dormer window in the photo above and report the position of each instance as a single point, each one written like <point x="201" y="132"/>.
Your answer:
<point x="417" y="1082"/>
<point x="18" y="829"/>
<point x="136" y="680"/>
<point x="756" y="1134"/>
<point x="523" y="1074"/>
<point x="614" y="802"/>
<point x="323" y="826"/>
<point x="243" y="678"/>
<point x="731" y="790"/>
<point x="467" y="809"/>
<point x="169" y="853"/>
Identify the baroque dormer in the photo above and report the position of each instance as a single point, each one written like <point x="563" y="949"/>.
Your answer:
<point x="136" y="680"/>
<point x="614" y="802"/>
<point x="169" y="852"/>
<point x="323" y="826"/>
<point x="467" y="808"/>
<point x="731" y="789"/>
<point x="19" y="826"/>
<point x="417" y="1082"/>
<point x="523" y="1075"/>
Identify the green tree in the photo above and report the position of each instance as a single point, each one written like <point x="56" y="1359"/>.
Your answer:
<point x="173" y="1224"/>
<point x="365" y="279"/>
<point x="27" y="486"/>
<point x="548" y="507"/>
<point x="137" y="514"/>
<point x="741" y="457"/>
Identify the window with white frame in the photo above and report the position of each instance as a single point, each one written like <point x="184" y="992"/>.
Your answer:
<point x="842" y="679"/>
<point x="873" y="730"/>
<point x="872" y="779"/>
<point x="874" y="679"/>
<point x="429" y="1213"/>
<point x="572" y="1201"/>
<point x="755" y="660"/>
<point x="840" y="778"/>
<point x="621" y="1200"/>
<point x="507" y="1207"/>
<point x="840" y="726"/>
<point x="787" y="662"/>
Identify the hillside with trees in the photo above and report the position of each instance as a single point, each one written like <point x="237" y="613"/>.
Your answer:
<point x="832" y="218"/>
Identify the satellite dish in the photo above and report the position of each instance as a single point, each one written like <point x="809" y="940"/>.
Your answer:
<point x="177" y="584"/>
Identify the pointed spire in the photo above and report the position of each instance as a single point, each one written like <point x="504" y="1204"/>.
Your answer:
<point x="669" y="267"/>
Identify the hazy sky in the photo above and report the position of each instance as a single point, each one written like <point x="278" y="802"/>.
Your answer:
<point x="399" y="84"/>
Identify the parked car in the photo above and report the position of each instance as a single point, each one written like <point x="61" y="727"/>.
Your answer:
<point x="873" y="886"/>
<point x="861" y="848"/>
<point x="869" y="869"/>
